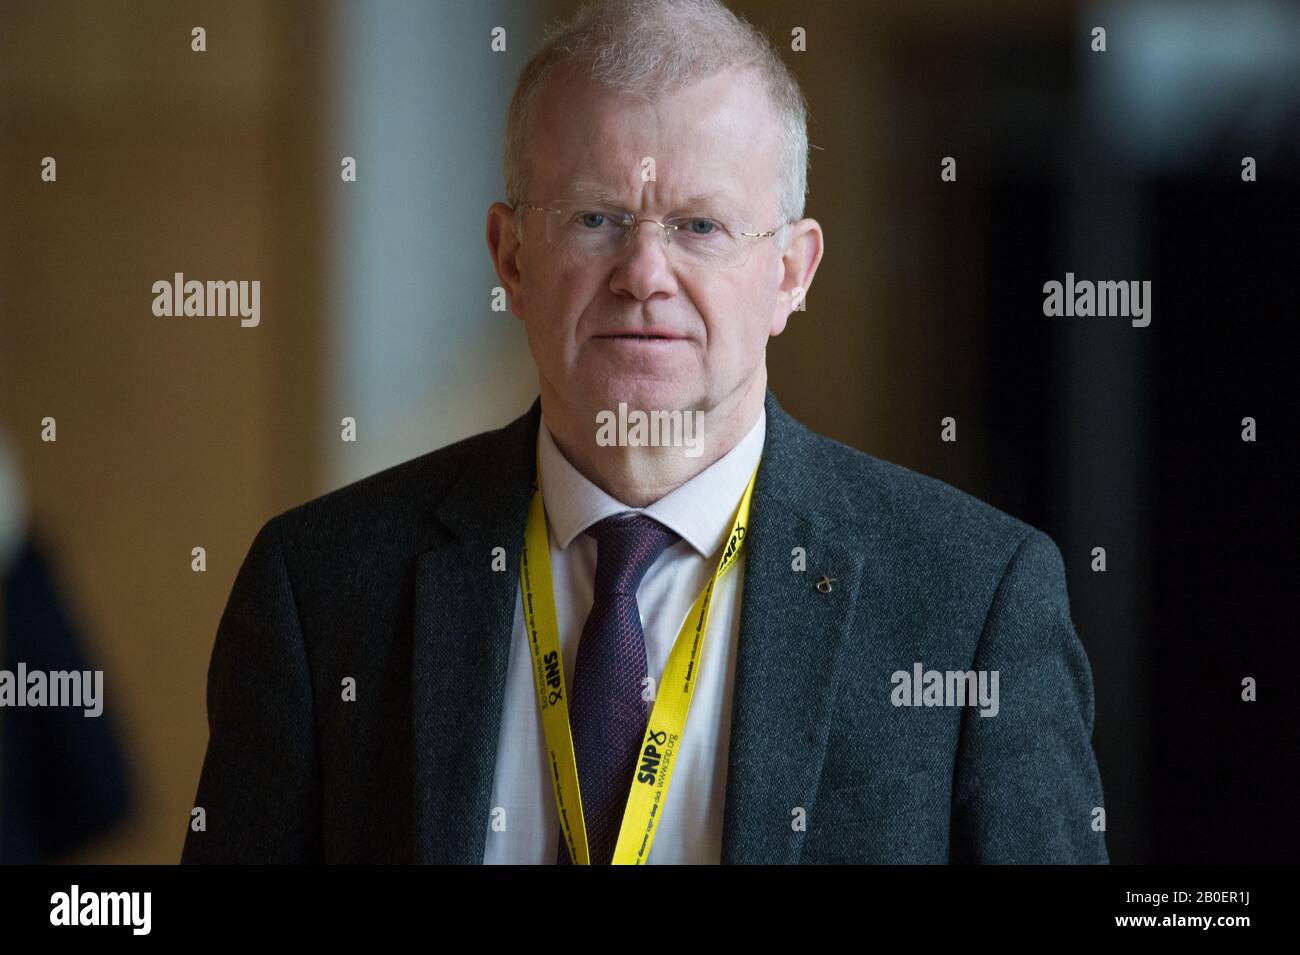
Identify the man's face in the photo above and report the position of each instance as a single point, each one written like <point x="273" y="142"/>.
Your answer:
<point x="718" y="137"/>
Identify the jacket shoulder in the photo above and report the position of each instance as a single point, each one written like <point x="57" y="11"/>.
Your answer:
<point x="393" y="505"/>
<point x="909" y="507"/>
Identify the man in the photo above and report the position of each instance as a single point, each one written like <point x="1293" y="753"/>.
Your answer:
<point x="64" y="780"/>
<point x="567" y="641"/>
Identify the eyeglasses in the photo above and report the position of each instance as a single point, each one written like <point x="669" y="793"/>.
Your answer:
<point x="585" y="231"/>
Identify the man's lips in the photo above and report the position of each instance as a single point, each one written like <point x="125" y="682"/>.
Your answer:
<point x="644" y="336"/>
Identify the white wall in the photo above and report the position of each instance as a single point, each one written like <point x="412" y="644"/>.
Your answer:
<point x="418" y="357"/>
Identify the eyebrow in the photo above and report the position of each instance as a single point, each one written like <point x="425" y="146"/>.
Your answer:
<point x="585" y="189"/>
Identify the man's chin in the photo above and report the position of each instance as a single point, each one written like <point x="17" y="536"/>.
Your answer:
<point x="644" y="395"/>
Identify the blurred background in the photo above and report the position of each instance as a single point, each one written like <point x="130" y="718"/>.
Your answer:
<point x="375" y="304"/>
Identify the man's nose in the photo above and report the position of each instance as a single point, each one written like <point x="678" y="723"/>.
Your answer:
<point x="645" y="265"/>
<point x="660" y="232"/>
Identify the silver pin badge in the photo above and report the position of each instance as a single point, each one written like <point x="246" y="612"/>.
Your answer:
<point x="824" y="585"/>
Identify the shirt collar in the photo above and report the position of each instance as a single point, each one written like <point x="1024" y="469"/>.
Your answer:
<point x="700" y="511"/>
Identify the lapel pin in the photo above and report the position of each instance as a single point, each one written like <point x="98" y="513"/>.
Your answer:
<point x="824" y="585"/>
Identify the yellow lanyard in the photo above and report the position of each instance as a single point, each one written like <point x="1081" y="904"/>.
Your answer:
<point x="654" y="769"/>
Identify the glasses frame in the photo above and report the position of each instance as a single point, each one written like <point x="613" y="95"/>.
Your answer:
<point x="630" y="227"/>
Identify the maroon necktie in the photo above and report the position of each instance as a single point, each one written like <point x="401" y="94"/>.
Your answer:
<point x="607" y="715"/>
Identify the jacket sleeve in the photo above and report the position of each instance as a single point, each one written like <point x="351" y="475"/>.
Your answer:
<point x="260" y="785"/>
<point x="1026" y="786"/>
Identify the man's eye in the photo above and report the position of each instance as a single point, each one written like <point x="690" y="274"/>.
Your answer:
<point x="700" y="227"/>
<point x="592" y="220"/>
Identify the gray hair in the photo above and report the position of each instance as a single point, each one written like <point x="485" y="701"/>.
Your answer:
<point x="652" y="47"/>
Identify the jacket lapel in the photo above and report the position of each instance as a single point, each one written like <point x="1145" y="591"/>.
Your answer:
<point x="791" y="638"/>
<point x="464" y="614"/>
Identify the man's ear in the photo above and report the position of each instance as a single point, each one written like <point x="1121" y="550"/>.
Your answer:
<point x="796" y="267"/>
<point x="503" y="246"/>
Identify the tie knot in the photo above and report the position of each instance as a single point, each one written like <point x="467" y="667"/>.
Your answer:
<point x="626" y="546"/>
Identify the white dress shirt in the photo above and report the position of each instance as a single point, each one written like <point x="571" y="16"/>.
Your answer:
<point x="700" y="511"/>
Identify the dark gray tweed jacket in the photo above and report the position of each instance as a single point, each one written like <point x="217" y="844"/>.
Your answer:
<point x="387" y="581"/>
